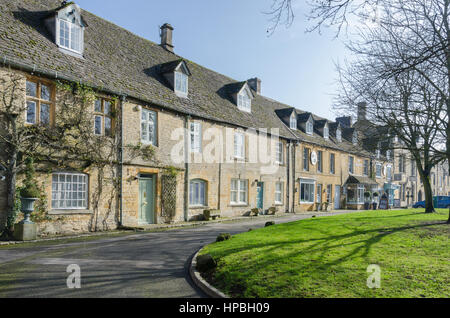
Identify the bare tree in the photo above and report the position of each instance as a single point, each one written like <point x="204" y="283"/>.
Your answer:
<point x="68" y="142"/>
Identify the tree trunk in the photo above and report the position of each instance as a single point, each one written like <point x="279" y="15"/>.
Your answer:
<point x="429" y="208"/>
<point x="11" y="178"/>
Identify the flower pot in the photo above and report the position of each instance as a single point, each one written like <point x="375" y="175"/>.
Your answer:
<point x="374" y="205"/>
<point x="27" y="208"/>
<point x="366" y="205"/>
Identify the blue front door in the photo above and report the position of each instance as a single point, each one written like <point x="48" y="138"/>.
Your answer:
<point x="260" y="195"/>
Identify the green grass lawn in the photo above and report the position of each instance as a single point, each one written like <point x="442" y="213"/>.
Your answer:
<point x="328" y="257"/>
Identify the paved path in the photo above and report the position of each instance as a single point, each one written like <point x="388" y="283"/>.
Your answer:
<point x="139" y="265"/>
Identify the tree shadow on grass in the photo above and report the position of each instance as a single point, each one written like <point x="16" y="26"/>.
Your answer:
<point x="328" y="243"/>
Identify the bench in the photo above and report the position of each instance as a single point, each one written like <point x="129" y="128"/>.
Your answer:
<point x="211" y="214"/>
<point x="272" y="210"/>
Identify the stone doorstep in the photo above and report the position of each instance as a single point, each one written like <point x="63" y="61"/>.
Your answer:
<point x="179" y="225"/>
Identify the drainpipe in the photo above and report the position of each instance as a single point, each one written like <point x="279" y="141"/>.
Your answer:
<point x="293" y="177"/>
<point x="122" y="102"/>
<point x="186" y="168"/>
<point x="288" y="183"/>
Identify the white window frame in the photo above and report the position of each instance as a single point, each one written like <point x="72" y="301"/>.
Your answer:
<point x="351" y="164"/>
<point x="196" y="199"/>
<point x="196" y="134"/>
<point x="380" y="167"/>
<point x="279" y="191"/>
<point x="147" y="122"/>
<point x="326" y="132"/>
<point x="279" y="159"/>
<point x="239" y="145"/>
<point x="310" y="183"/>
<point x="70" y="26"/>
<point x="244" y="102"/>
<point x="339" y="135"/>
<point x="62" y="187"/>
<point x="181" y="83"/>
<point x="366" y="173"/>
<point x="238" y="187"/>
<point x="293" y="122"/>
<point x="360" y="189"/>
<point x="310" y="127"/>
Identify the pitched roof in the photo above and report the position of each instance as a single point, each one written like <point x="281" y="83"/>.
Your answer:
<point x="120" y="61"/>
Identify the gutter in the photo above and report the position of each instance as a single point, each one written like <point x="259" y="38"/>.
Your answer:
<point x="186" y="168"/>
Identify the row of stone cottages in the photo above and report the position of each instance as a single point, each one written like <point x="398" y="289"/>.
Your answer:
<point x="175" y="105"/>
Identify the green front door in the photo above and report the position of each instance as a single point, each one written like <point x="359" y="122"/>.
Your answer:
<point x="147" y="200"/>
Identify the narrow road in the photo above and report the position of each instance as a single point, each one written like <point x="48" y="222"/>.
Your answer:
<point x="138" y="265"/>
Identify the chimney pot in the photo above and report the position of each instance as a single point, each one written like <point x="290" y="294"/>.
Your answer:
<point x="255" y="84"/>
<point x="166" y="37"/>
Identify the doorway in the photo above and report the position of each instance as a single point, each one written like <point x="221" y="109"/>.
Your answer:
<point x="337" y="198"/>
<point x="260" y="195"/>
<point x="147" y="199"/>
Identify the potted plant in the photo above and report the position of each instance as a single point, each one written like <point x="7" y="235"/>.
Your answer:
<point x="367" y="200"/>
<point x="29" y="193"/>
<point x="375" y="200"/>
<point x="325" y="206"/>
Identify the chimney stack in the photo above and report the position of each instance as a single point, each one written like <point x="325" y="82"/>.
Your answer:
<point x="166" y="37"/>
<point x="255" y="84"/>
<point x="362" y="111"/>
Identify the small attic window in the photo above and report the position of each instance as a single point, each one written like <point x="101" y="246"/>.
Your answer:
<point x="310" y="126"/>
<point x="181" y="83"/>
<point x="293" y="122"/>
<point x="67" y="26"/>
<point x="339" y="134"/>
<point x="326" y="132"/>
<point x="244" y="101"/>
<point x="70" y="36"/>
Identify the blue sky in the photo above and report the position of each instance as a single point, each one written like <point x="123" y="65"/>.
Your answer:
<point x="296" y="68"/>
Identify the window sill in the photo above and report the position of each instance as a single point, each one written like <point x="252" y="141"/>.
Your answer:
<point x="239" y="205"/>
<point x="278" y="204"/>
<point x="69" y="212"/>
<point x="198" y="207"/>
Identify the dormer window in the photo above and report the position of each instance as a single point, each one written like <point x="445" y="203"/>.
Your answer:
<point x="177" y="75"/>
<point x="67" y="27"/>
<point x="181" y="83"/>
<point x="293" y="122"/>
<point x="326" y="132"/>
<point x="309" y="127"/>
<point x="70" y="36"/>
<point x="338" y="135"/>
<point x="244" y="101"/>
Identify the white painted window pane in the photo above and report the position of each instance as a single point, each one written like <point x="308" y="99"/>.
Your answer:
<point x="64" y="33"/>
<point x="75" y="43"/>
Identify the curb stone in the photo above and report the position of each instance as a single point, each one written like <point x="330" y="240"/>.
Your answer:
<point x="182" y="225"/>
<point x="202" y="283"/>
